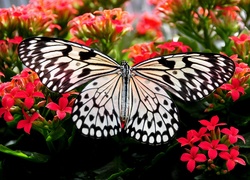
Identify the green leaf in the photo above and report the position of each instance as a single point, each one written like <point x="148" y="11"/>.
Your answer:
<point x="56" y="134"/>
<point x="121" y="173"/>
<point x="31" y="156"/>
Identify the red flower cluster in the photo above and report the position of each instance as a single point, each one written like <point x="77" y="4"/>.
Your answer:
<point x="105" y="26"/>
<point x="144" y="51"/>
<point x="26" y="21"/>
<point x="208" y="145"/>
<point x="64" y="11"/>
<point x="24" y="95"/>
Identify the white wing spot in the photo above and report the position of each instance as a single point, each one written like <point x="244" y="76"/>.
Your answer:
<point x="79" y="124"/>
<point x="85" y="131"/>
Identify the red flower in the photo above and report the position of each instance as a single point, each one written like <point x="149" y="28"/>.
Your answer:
<point x="241" y="39"/>
<point x="212" y="124"/>
<point x="61" y="108"/>
<point x="7" y="103"/>
<point x="29" y="94"/>
<point x="26" y="123"/>
<point x="232" y="134"/>
<point x="232" y="159"/>
<point x="191" y="138"/>
<point x="141" y="52"/>
<point x="213" y="147"/>
<point x="201" y="133"/>
<point x="192" y="158"/>
<point x="234" y="89"/>
<point x="175" y="47"/>
<point x="151" y="24"/>
<point x="15" y="40"/>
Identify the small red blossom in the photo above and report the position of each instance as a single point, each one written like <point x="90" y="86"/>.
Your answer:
<point x="173" y="47"/>
<point x="241" y="39"/>
<point x="29" y="94"/>
<point x="149" y="24"/>
<point x="232" y="158"/>
<point x="202" y="132"/>
<point x="190" y="140"/>
<point x="212" y="148"/>
<point x="7" y="103"/>
<point x="211" y="124"/>
<point x="141" y="52"/>
<point x="61" y="108"/>
<point x="232" y="134"/>
<point x="192" y="158"/>
<point x="15" y="40"/>
<point x="26" y="123"/>
<point x="235" y="89"/>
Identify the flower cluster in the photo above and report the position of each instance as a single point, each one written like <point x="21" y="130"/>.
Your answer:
<point x="194" y="19"/>
<point x="106" y="27"/>
<point x="212" y="148"/>
<point x="64" y="11"/>
<point x="8" y="55"/>
<point x="26" y="21"/>
<point x="144" y="51"/>
<point x="25" y="95"/>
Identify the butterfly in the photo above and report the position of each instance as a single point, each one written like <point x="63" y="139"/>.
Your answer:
<point x="119" y="97"/>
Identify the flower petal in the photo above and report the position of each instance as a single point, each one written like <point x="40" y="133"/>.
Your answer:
<point x="191" y="165"/>
<point x="185" y="157"/>
<point x="230" y="164"/>
<point x="200" y="158"/>
<point x="52" y="106"/>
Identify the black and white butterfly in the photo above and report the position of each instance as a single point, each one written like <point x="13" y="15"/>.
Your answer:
<point x="118" y="93"/>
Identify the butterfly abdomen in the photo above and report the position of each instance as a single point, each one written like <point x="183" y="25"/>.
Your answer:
<point x="125" y="70"/>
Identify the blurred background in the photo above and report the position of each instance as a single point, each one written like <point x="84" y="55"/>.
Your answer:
<point x="6" y="4"/>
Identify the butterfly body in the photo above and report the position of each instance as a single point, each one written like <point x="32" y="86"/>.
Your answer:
<point x="114" y="93"/>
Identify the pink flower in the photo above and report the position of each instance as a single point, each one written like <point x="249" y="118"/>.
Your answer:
<point x="232" y="134"/>
<point x="212" y="124"/>
<point x="192" y="158"/>
<point x="232" y="158"/>
<point x="213" y="147"/>
<point x="235" y="89"/>
<point x="26" y="123"/>
<point x="61" y="108"/>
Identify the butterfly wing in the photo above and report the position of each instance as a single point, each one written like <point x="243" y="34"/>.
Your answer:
<point x="153" y="117"/>
<point x="189" y="76"/>
<point x="97" y="109"/>
<point x="63" y="65"/>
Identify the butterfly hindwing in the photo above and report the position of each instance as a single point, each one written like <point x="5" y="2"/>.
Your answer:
<point x="97" y="109"/>
<point x="63" y="65"/>
<point x="189" y="76"/>
<point x="153" y="117"/>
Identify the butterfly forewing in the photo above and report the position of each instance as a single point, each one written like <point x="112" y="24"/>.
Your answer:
<point x="63" y="65"/>
<point x="189" y="76"/>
